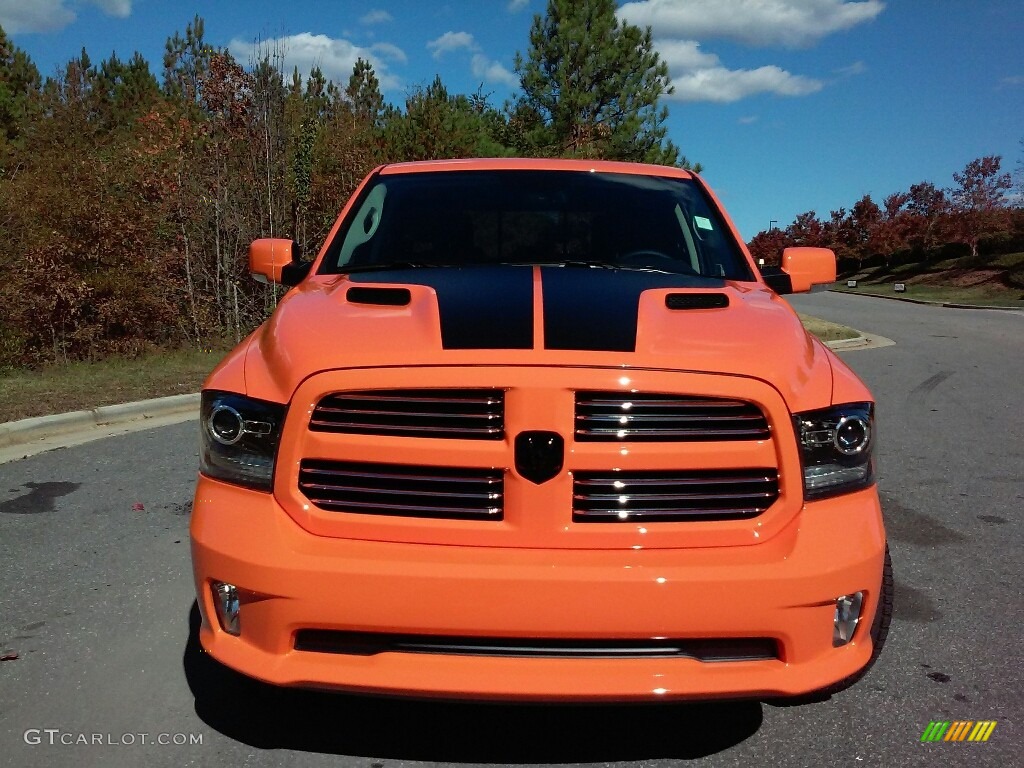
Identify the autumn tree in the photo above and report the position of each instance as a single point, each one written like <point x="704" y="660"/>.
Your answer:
<point x="767" y="246"/>
<point x="889" y="234"/>
<point x="926" y="208"/>
<point x="979" y="201"/>
<point x="806" y="230"/>
<point x="591" y="86"/>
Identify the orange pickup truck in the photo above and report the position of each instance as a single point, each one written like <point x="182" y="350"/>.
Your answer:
<point x="539" y="430"/>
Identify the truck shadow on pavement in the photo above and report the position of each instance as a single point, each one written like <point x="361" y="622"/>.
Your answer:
<point x="266" y="717"/>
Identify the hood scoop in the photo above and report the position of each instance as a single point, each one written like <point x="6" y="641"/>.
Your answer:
<point x="682" y="301"/>
<point x="384" y="297"/>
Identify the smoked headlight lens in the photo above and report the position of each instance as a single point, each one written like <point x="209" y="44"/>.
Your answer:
<point x="836" y="448"/>
<point x="239" y="437"/>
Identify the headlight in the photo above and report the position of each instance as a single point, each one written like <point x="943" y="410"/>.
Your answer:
<point x="836" y="448"/>
<point x="239" y="438"/>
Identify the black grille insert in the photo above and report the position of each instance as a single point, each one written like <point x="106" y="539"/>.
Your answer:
<point x="384" y="297"/>
<point x="398" y="489"/>
<point x="371" y="643"/>
<point x="622" y="416"/>
<point x="696" y="301"/>
<point x="608" y="497"/>
<point x="465" y="414"/>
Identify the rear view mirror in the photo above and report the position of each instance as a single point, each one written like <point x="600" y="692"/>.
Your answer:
<point x="802" y="270"/>
<point x="277" y="261"/>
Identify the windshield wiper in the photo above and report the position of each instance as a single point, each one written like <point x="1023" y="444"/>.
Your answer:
<point x="596" y="264"/>
<point x="346" y="270"/>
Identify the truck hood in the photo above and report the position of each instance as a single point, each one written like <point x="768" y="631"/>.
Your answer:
<point x="535" y="316"/>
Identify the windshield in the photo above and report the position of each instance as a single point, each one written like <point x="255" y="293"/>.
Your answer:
<point x="601" y="220"/>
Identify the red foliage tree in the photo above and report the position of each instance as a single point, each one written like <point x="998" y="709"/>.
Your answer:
<point x="979" y="201"/>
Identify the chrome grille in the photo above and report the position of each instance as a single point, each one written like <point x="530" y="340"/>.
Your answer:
<point x="466" y="414"/>
<point x="397" y="489"/>
<point x="615" y="416"/>
<point x="673" y="496"/>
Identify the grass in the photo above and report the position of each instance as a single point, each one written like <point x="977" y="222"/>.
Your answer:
<point x="81" y="386"/>
<point x="987" y="281"/>
<point x="827" y="331"/>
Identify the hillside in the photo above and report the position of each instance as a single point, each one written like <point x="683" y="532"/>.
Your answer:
<point x="996" y="280"/>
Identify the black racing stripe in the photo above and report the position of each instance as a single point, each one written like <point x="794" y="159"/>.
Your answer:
<point x="488" y="307"/>
<point x="597" y="309"/>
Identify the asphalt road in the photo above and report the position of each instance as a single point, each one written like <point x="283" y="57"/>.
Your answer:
<point x="96" y="600"/>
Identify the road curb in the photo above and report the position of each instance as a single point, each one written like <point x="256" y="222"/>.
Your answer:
<point x="40" y="427"/>
<point x="841" y="344"/>
<point x="863" y="341"/>
<point x="924" y="302"/>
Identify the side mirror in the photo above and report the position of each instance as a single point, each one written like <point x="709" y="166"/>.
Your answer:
<point x="276" y="260"/>
<point x="802" y="270"/>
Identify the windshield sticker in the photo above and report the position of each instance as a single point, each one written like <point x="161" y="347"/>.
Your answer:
<point x="703" y="223"/>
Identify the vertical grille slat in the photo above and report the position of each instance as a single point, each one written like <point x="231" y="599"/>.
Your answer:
<point x="462" y="414"/>
<point x="673" y="496"/>
<point x="397" y="489"/>
<point x="621" y="416"/>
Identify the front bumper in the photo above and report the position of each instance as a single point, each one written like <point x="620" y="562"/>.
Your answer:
<point x="783" y="588"/>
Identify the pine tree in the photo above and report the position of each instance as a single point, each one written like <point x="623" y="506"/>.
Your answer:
<point x="591" y="86"/>
<point x="19" y="82"/>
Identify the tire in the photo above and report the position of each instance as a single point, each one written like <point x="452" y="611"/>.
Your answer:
<point x="879" y="633"/>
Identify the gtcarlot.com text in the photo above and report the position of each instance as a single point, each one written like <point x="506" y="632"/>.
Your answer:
<point x="56" y="736"/>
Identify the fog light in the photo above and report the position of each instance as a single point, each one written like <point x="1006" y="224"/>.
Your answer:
<point x="846" y="618"/>
<point x="225" y="598"/>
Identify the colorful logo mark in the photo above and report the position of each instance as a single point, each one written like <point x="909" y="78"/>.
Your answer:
<point x="958" y="730"/>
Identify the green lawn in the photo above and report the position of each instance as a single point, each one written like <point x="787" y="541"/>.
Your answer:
<point x="80" y="386"/>
<point x="985" y="281"/>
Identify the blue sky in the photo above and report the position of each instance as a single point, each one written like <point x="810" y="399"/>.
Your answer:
<point x="790" y="105"/>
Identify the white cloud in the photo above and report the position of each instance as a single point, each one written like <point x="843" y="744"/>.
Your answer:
<point x="492" y="71"/>
<point x="376" y="16"/>
<point x="791" y="23"/>
<point x="486" y="69"/>
<point x="857" y="68"/>
<point x="721" y="85"/>
<point x="680" y="28"/>
<point x="514" y="6"/>
<point x="335" y="57"/>
<point x="452" y="41"/>
<point x="747" y="120"/>
<point x="1012" y="80"/>
<point x="51" y="15"/>
<point x="389" y="51"/>
<point x="120" y="8"/>
<point x="683" y="55"/>
<point x="700" y="76"/>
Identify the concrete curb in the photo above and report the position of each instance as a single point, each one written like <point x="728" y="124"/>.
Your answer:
<point x="30" y="430"/>
<point x="947" y="304"/>
<point x="863" y="341"/>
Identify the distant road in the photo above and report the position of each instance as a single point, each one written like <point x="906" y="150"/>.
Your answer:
<point x="96" y="599"/>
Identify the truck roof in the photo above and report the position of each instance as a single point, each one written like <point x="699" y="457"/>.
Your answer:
<point x="534" y="164"/>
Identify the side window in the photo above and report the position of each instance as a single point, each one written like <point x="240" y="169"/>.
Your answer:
<point x="364" y="225"/>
